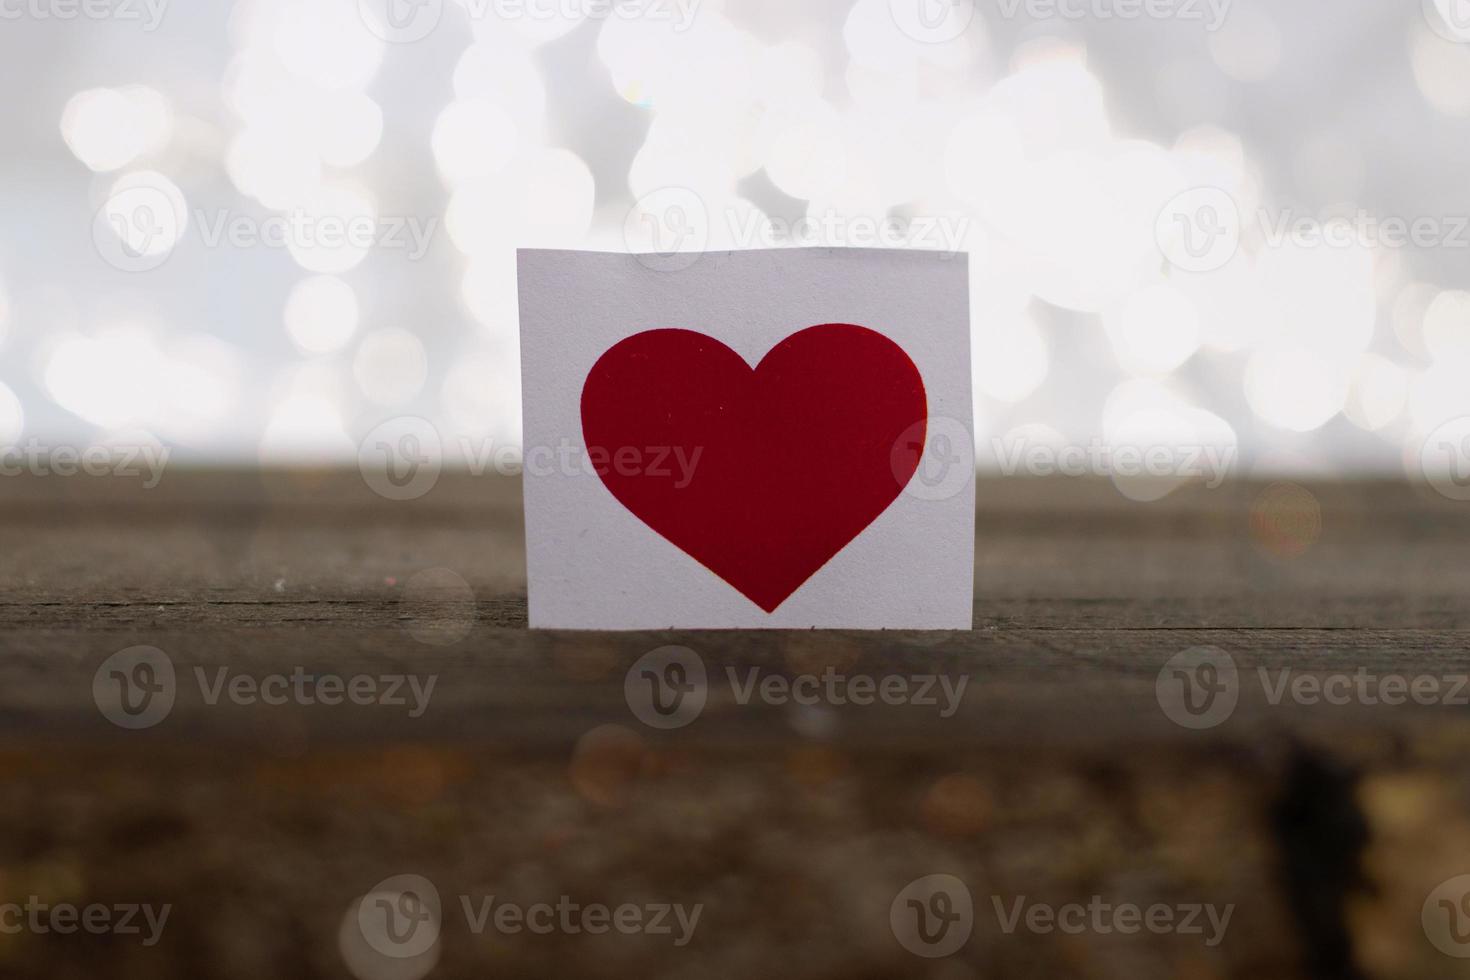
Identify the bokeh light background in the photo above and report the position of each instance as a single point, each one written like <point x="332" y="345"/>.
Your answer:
<point x="1050" y="145"/>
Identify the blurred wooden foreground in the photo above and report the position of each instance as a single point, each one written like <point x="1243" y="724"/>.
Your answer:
<point x="1059" y="779"/>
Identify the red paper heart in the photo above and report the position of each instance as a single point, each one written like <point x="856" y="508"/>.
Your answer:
<point x="763" y="474"/>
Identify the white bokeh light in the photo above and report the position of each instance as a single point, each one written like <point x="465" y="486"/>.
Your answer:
<point x="1248" y="46"/>
<point x="1048" y="147"/>
<point x="473" y="138"/>
<point x="1446" y="326"/>
<point x="1175" y="442"/>
<point x="1442" y="71"/>
<point x="337" y="227"/>
<point x="390" y="367"/>
<point x="321" y="314"/>
<point x="305" y="429"/>
<point x="532" y="22"/>
<point x="270" y="165"/>
<point x="325" y="43"/>
<point x="544" y="201"/>
<point x="489" y="292"/>
<point x="147" y="212"/>
<point x="509" y="76"/>
<point x="875" y="37"/>
<point x="805" y="154"/>
<point x="1009" y="358"/>
<point x="702" y="155"/>
<point x="133" y="375"/>
<point x="1380" y="389"/>
<point x="1154" y="330"/>
<point x="482" y="397"/>
<point x="12" y="417"/>
<point x="110" y="128"/>
<point x="703" y="68"/>
<point x="1294" y="388"/>
<point x="348" y="128"/>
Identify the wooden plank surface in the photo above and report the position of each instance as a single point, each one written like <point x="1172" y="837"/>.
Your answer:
<point x="1058" y="779"/>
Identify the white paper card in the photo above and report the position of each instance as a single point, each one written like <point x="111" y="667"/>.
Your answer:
<point x="755" y="439"/>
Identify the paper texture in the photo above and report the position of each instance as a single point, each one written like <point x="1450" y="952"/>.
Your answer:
<point x="593" y="564"/>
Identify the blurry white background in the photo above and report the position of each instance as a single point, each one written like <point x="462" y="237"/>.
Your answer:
<point x="257" y="230"/>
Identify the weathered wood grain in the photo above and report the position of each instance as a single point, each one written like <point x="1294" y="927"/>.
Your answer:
<point x="1059" y="776"/>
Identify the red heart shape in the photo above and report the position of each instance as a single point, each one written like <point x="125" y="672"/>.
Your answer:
<point x="761" y="475"/>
